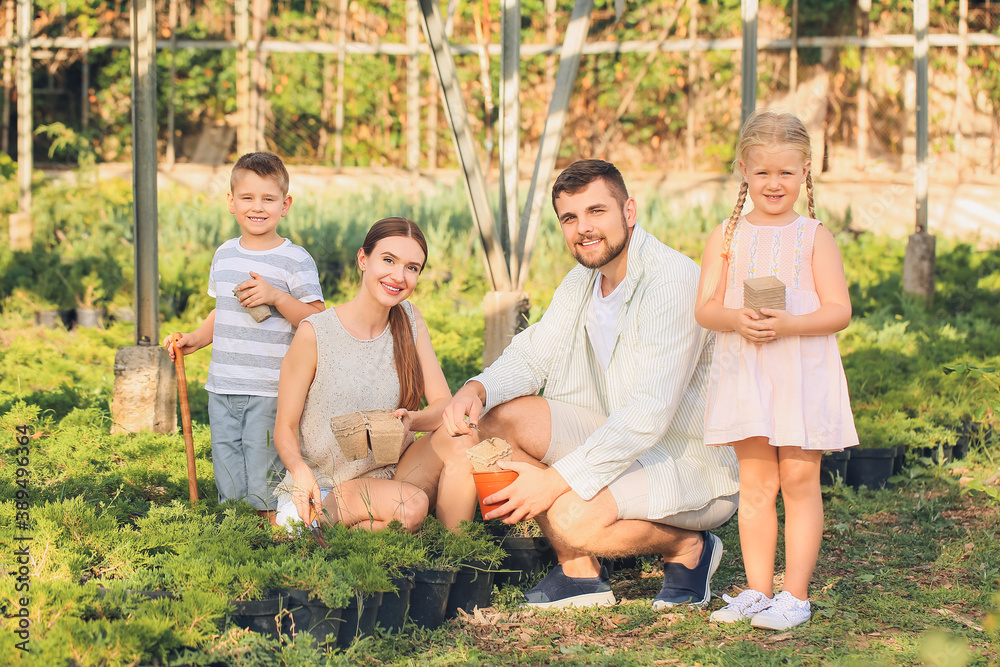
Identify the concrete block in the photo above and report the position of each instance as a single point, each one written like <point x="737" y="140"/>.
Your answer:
<point x="145" y="397"/>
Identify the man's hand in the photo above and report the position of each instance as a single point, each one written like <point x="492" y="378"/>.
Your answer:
<point x="532" y="493"/>
<point x="467" y="403"/>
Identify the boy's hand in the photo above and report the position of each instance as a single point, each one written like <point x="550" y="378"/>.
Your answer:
<point x="185" y="343"/>
<point x="259" y="292"/>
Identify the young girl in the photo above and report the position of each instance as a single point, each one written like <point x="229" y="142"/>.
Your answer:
<point x="778" y="393"/>
<point x="371" y="353"/>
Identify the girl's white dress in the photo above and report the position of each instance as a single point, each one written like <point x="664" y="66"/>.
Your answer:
<point x="791" y="390"/>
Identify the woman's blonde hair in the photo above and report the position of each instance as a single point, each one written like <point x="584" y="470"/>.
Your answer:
<point x="762" y="128"/>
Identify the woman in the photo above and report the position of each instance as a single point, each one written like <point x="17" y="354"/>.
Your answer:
<point x="372" y="353"/>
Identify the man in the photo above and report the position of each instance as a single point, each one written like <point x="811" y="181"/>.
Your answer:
<point x="611" y="460"/>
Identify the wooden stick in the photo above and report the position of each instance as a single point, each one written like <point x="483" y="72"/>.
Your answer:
<point x="182" y="390"/>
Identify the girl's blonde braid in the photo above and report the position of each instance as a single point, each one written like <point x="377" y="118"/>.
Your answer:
<point x="809" y="195"/>
<point x="715" y="273"/>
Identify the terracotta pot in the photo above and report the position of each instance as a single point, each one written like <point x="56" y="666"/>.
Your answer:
<point x="488" y="483"/>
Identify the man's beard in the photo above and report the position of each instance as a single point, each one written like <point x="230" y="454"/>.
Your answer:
<point x="609" y="254"/>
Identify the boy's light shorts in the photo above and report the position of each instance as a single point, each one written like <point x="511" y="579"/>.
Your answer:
<point x="572" y="425"/>
<point x="246" y="464"/>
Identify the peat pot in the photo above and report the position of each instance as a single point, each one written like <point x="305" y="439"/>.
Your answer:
<point x="311" y="617"/>
<point x="358" y="619"/>
<point x="832" y="466"/>
<point x="395" y="606"/>
<point x="870" y="467"/>
<point x="527" y="557"/>
<point x="429" y="598"/>
<point x="473" y="588"/>
<point x="261" y="616"/>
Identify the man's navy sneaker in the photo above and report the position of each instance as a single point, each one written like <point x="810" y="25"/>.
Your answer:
<point x="682" y="585"/>
<point x="557" y="590"/>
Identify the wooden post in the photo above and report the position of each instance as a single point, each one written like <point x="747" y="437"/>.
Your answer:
<point x="21" y="228"/>
<point x="748" y="71"/>
<point x="961" y="79"/>
<point x="550" y="38"/>
<point x="482" y="30"/>
<point x="510" y="127"/>
<point x="172" y="20"/>
<point x="692" y="92"/>
<point x="918" y="265"/>
<point x="8" y="66"/>
<point x="338" y="119"/>
<point x="865" y="7"/>
<point x="242" y="17"/>
<point x="412" y="87"/>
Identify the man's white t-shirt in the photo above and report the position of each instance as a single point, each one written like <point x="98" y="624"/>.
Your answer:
<point x="602" y="317"/>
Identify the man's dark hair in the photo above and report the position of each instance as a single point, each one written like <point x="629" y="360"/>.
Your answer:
<point x="265" y="165"/>
<point x="582" y="173"/>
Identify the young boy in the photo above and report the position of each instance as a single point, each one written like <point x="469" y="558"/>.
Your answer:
<point x="242" y="380"/>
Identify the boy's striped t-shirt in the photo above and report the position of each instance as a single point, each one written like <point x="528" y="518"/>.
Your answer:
<point x="247" y="355"/>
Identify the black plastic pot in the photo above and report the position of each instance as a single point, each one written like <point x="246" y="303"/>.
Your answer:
<point x="833" y="465"/>
<point x="870" y="467"/>
<point x="938" y="453"/>
<point x="358" y="619"/>
<point x="311" y="617"/>
<point x="429" y="598"/>
<point x="261" y="616"/>
<point x="961" y="449"/>
<point x="526" y="557"/>
<point x="897" y="461"/>
<point x="473" y="588"/>
<point x="392" y="612"/>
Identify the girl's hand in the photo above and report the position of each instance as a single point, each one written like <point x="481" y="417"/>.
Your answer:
<point x="752" y="328"/>
<point x="780" y="322"/>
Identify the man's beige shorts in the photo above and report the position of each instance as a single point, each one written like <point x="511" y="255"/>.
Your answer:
<point x="572" y="425"/>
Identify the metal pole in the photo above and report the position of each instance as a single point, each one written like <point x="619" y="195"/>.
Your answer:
<point x="921" y="20"/>
<point x="510" y="114"/>
<point x="496" y="268"/>
<point x="793" y="56"/>
<point x="919" y="263"/>
<point x="748" y="72"/>
<point x="144" y="159"/>
<point x="865" y="7"/>
<point x="692" y="88"/>
<point x="172" y="19"/>
<point x="961" y="78"/>
<point x="243" y="139"/>
<point x="548" y="146"/>
<point x="25" y="126"/>
<point x="412" y="88"/>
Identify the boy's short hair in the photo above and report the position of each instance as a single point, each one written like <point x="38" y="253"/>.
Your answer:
<point x="265" y="165"/>
<point x="582" y="173"/>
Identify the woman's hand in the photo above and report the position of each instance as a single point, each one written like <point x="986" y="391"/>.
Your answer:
<point x="306" y="496"/>
<point x="405" y="416"/>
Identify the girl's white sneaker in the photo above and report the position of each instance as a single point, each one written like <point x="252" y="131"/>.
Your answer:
<point x="786" y="611"/>
<point x="747" y="604"/>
